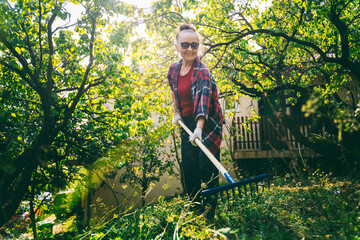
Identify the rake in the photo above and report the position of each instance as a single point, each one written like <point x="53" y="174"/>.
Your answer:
<point x="233" y="189"/>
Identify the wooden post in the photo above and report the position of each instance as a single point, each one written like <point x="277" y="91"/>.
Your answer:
<point x="233" y="133"/>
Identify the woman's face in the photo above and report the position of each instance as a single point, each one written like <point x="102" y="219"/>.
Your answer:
<point x="188" y="54"/>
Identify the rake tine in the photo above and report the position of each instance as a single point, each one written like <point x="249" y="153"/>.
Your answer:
<point x="264" y="184"/>
<point x="227" y="195"/>
<point x="238" y="195"/>
<point x="261" y="184"/>
<point x="239" y="189"/>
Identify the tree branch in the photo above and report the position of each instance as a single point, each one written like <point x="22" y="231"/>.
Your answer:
<point x="17" y="55"/>
<point x="50" y="82"/>
<point x="81" y="89"/>
<point x="290" y="86"/>
<point x="343" y="31"/>
<point x="322" y="54"/>
<point x="67" y="89"/>
<point x="252" y="92"/>
<point x="32" y="55"/>
<point x="40" y="42"/>
<point x="18" y="71"/>
<point x="97" y="81"/>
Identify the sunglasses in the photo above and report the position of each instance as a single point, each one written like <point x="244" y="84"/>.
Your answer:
<point x="185" y="45"/>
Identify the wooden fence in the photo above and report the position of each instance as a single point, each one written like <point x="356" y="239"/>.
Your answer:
<point x="266" y="134"/>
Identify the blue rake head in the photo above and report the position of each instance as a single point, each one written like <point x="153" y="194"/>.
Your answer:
<point x="238" y="189"/>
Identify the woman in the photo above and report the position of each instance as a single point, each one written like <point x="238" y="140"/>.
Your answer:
<point x="195" y="102"/>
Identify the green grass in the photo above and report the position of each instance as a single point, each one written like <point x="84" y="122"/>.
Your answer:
<point x="323" y="208"/>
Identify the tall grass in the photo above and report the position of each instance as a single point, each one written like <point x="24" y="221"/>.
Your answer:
<point x="320" y="207"/>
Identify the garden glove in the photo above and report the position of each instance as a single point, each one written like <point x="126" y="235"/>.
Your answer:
<point x="197" y="134"/>
<point x="176" y="118"/>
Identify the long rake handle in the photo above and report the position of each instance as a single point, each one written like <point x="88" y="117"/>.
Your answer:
<point x="217" y="164"/>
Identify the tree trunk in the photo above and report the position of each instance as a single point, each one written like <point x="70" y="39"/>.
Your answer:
<point x="178" y="160"/>
<point x="87" y="211"/>
<point x="32" y="217"/>
<point x="320" y="145"/>
<point x="16" y="185"/>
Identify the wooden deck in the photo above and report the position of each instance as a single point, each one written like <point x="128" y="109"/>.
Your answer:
<point x="268" y="138"/>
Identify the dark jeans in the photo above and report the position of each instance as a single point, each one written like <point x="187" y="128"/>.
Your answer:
<point x="197" y="168"/>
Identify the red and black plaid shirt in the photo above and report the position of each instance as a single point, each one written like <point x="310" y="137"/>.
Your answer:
<point x="205" y="100"/>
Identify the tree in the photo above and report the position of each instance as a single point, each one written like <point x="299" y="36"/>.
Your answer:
<point x="299" y="51"/>
<point x="55" y="84"/>
<point x="144" y="157"/>
<point x="292" y="50"/>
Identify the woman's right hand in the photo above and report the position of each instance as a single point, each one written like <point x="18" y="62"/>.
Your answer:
<point x="176" y="118"/>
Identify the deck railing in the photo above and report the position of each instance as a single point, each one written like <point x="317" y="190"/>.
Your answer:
<point x="267" y="133"/>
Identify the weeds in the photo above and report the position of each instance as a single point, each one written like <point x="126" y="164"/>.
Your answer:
<point x="321" y="208"/>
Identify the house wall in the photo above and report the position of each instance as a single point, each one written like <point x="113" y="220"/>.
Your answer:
<point x="244" y="107"/>
<point x="110" y="193"/>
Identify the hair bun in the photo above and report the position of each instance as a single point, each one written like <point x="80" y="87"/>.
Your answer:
<point x="186" y="27"/>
